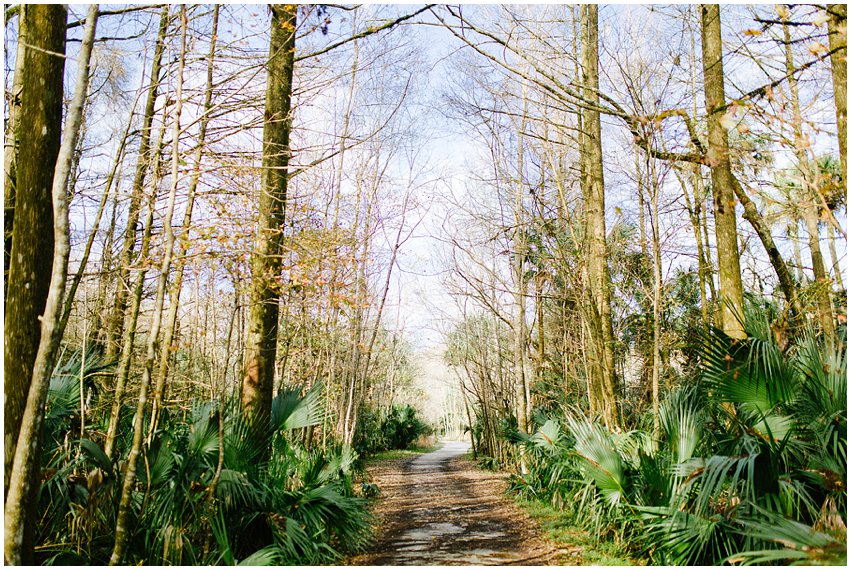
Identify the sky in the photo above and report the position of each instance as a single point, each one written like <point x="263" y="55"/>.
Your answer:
<point x="450" y="151"/>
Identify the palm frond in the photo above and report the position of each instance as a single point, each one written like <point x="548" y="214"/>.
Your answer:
<point x="292" y="411"/>
<point x="602" y="462"/>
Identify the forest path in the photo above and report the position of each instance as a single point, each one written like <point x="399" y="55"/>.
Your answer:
<point x="439" y="509"/>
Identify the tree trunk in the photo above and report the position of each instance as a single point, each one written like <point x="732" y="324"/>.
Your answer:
<point x="595" y="226"/>
<point x="260" y="349"/>
<point x="520" y="285"/>
<point x="718" y="159"/>
<point x="763" y="231"/>
<point x="10" y="149"/>
<point x="657" y="294"/>
<point x="122" y="530"/>
<point x="25" y="476"/>
<point x="126" y="357"/>
<point x="838" y="39"/>
<point x="116" y="322"/>
<point x="174" y="297"/>
<point x="834" y="259"/>
<point x="39" y="130"/>
<point x="812" y="200"/>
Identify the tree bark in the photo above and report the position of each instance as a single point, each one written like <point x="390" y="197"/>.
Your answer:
<point x="595" y="226"/>
<point x="10" y="150"/>
<point x="24" y="479"/>
<point x="39" y="131"/>
<point x="718" y="159"/>
<point x="838" y="39"/>
<point x="261" y="341"/>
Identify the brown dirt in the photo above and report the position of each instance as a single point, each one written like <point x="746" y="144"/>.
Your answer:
<point x="439" y="509"/>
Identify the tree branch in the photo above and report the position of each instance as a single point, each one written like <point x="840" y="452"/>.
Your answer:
<point x="368" y="32"/>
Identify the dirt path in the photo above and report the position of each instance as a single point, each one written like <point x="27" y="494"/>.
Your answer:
<point x="438" y="509"/>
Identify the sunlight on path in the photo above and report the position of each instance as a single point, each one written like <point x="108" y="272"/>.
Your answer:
<point x="438" y="509"/>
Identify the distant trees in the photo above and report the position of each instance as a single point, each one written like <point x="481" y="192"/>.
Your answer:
<point x="691" y="140"/>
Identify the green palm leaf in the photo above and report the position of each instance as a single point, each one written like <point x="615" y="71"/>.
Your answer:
<point x="292" y="411"/>
<point x="601" y="461"/>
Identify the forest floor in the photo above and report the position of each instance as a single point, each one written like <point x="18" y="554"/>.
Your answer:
<point x="438" y="508"/>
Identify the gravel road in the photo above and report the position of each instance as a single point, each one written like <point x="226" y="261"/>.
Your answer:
<point x="439" y="509"/>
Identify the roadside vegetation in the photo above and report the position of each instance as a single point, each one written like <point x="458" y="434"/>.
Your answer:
<point x="246" y="249"/>
<point x="748" y="465"/>
<point x="213" y="488"/>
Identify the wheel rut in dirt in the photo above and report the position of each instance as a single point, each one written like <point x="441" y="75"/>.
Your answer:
<point x="439" y="509"/>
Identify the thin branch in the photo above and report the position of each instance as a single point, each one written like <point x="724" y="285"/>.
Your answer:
<point x="368" y="32"/>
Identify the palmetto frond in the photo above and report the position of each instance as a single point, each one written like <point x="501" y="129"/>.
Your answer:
<point x="290" y="410"/>
<point x="600" y="458"/>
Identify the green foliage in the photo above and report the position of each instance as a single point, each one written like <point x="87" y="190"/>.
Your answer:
<point x="397" y="428"/>
<point x="290" y="506"/>
<point x="750" y="466"/>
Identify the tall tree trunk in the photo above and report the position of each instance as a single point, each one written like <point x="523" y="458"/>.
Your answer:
<point x="122" y="530"/>
<point x="657" y="293"/>
<point x="718" y="159"/>
<point x="704" y="256"/>
<point x="520" y="284"/>
<point x="838" y="40"/>
<point x="116" y="322"/>
<point x="39" y="130"/>
<point x="812" y="200"/>
<point x="595" y="225"/>
<point x="174" y="296"/>
<point x="24" y="480"/>
<point x="128" y="340"/>
<point x="763" y="231"/>
<point x="261" y="341"/>
<point x="10" y="148"/>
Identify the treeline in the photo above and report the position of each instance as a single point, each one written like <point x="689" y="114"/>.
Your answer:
<point x="196" y="319"/>
<point x="652" y="331"/>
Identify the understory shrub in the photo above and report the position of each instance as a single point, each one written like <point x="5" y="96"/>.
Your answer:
<point x="212" y="488"/>
<point x="396" y="428"/>
<point x="749" y="467"/>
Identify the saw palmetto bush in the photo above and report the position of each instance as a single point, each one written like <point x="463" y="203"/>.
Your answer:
<point x="750" y="465"/>
<point x="397" y="427"/>
<point x="209" y="489"/>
